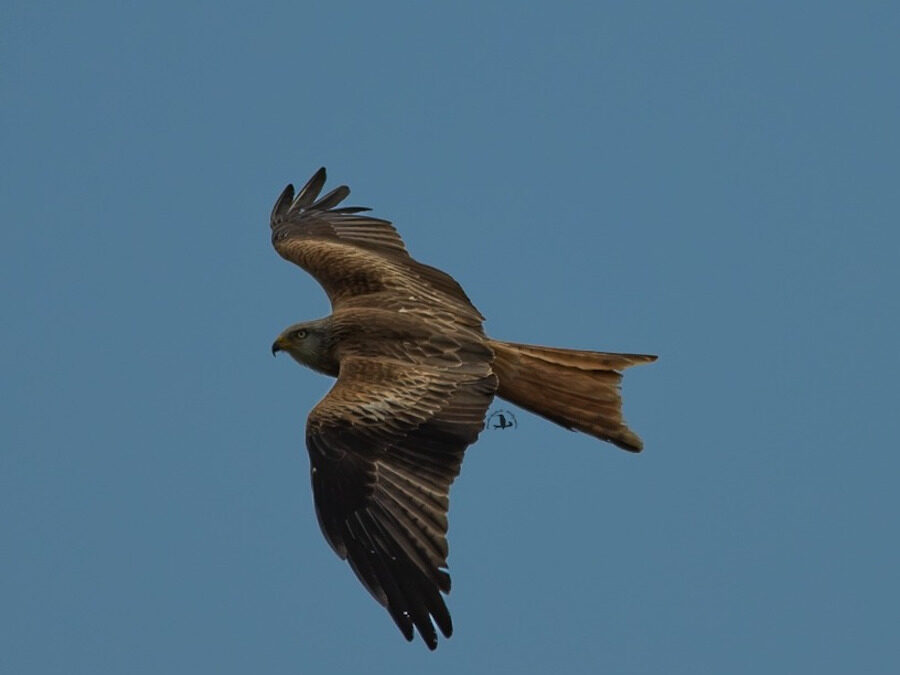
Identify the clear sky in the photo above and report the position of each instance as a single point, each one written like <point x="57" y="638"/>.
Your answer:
<point x="716" y="183"/>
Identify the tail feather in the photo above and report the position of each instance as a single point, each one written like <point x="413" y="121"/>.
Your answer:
<point x="574" y="388"/>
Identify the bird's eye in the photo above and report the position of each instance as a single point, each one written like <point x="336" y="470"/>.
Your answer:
<point x="300" y="334"/>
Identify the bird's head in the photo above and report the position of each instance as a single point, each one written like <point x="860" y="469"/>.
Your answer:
<point x="308" y="343"/>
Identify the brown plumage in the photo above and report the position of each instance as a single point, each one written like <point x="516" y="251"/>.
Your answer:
<point x="415" y="376"/>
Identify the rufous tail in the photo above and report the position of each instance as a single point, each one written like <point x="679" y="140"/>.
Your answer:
<point x="574" y="388"/>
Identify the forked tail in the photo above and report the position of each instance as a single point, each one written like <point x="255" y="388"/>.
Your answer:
<point x="574" y="388"/>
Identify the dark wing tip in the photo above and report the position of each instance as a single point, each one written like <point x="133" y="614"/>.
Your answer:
<point x="310" y="191"/>
<point x="332" y="199"/>
<point x="288" y="207"/>
<point x="282" y="205"/>
<point x="349" y="210"/>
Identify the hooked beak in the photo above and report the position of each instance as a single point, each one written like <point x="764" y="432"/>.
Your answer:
<point x="276" y="346"/>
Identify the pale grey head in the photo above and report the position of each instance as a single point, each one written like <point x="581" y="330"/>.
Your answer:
<point x="310" y="344"/>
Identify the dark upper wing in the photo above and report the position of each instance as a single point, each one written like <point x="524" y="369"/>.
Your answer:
<point x="385" y="444"/>
<point x="354" y="256"/>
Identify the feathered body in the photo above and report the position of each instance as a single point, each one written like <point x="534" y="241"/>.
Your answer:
<point x="415" y="376"/>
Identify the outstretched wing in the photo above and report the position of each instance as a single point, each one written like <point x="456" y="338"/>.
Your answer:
<point x="356" y="258"/>
<point x="385" y="444"/>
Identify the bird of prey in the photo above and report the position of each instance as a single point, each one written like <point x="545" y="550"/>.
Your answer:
<point x="415" y="375"/>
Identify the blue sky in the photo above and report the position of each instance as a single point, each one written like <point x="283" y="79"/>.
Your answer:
<point x="712" y="182"/>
